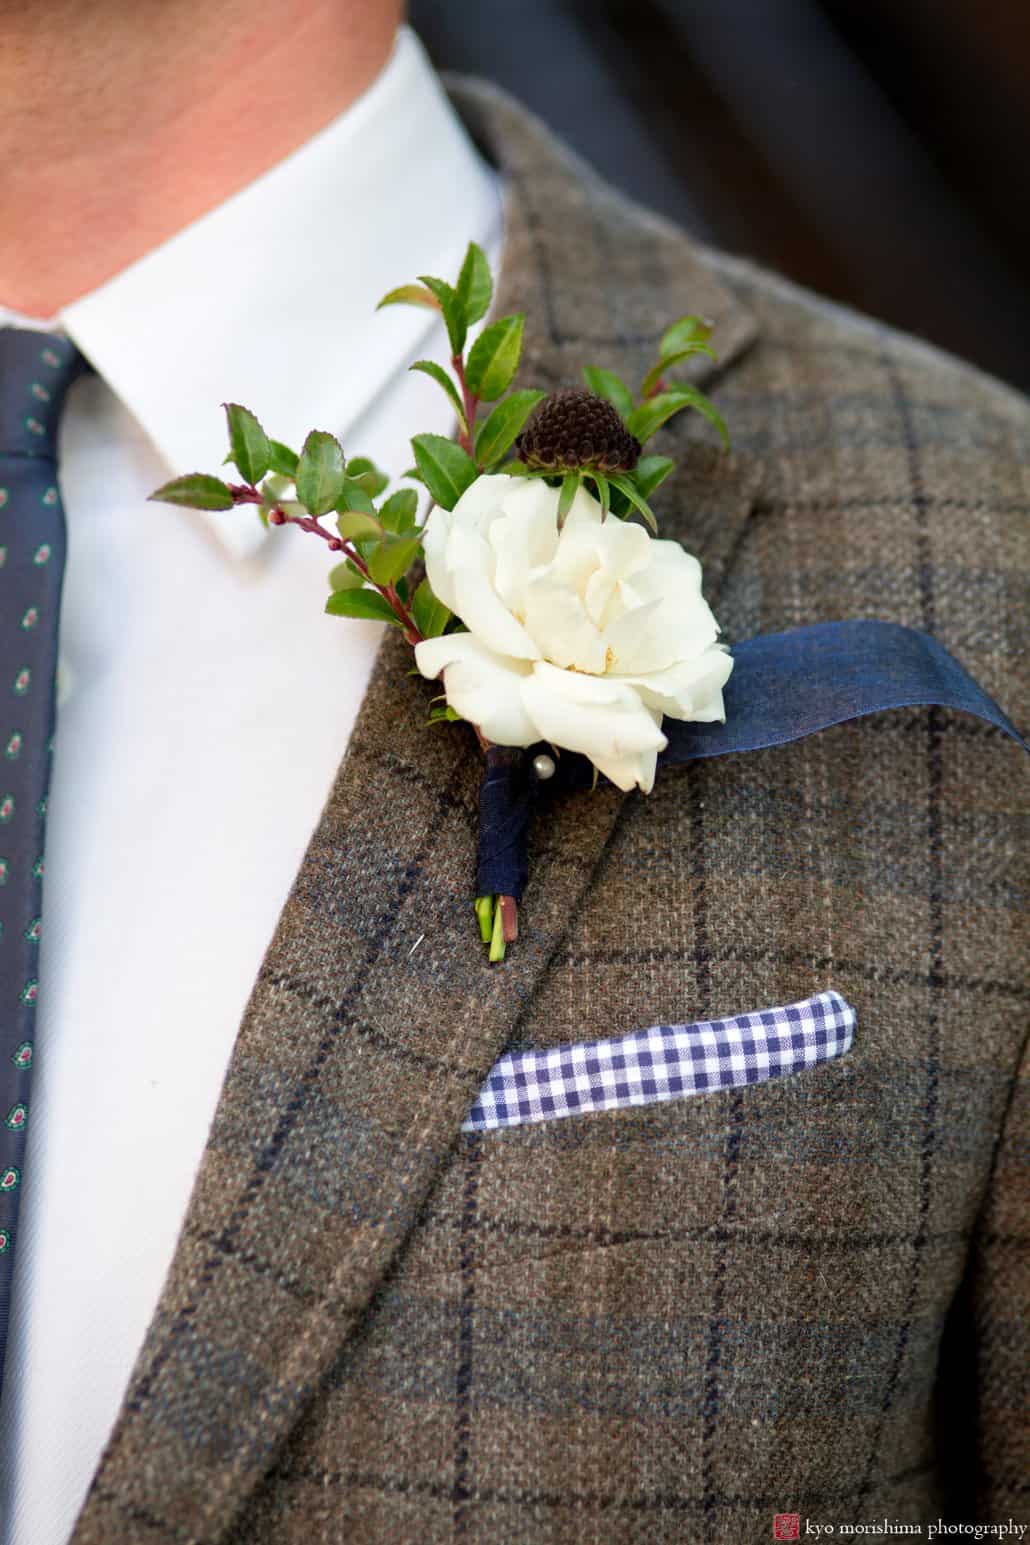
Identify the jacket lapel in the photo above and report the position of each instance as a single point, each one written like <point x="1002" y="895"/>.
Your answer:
<point x="375" y="1016"/>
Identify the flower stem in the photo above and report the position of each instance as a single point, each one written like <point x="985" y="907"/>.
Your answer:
<point x="497" y="941"/>
<point x="246" y="493"/>
<point x="497" y="917"/>
<point x="484" y="906"/>
<point x="509" y="913"/>
<point x="466" y="437"/>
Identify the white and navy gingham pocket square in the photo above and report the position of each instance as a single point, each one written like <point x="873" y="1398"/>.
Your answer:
<point x="666" y="1062"/>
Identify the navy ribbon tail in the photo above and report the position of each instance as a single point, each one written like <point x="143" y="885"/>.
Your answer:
<point x="784" y="687"/>
<point x="788" y="685"/>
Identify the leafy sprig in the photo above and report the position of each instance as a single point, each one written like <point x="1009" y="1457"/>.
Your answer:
<point x="376" y="540"/>
<point x="480" y="374"/>
<point x="377" y="544"/>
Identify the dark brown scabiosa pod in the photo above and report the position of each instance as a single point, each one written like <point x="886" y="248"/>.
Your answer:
<point x="574" y="430"/>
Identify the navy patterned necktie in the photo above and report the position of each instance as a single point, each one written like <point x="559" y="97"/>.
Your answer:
<point x="36" y="370"/>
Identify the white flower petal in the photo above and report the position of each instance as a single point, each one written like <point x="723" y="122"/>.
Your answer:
<point x="523" y="539"/>
<point x="578" y="687"/>
<point x="691" y="689"/>
<point x="482" y="501"/>
<point x="599" y="597"/>
<point x="587" y="544"/>
<point x="477" y="508"/>
<point x="674" y="576"/>
<point x="596" y="716"/>
<point x="660" y="633"/>
<point x="630" y="771"/>
<point x="485" y="688"/>
<point x="557" y="621"/>
<point x="530" y="499"/>
<point x="649" y="638"/>
<point x="672" y="573"/>
<point x="436" y="533"/>
<point x="483" y="612"/>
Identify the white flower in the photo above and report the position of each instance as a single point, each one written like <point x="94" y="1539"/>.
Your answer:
<point x="583" y="637"/>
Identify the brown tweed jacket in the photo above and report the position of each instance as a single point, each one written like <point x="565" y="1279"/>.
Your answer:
<point x="665" y="1323"/>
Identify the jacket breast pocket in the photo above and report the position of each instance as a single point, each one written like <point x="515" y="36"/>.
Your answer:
<point x="661" y="1063"/>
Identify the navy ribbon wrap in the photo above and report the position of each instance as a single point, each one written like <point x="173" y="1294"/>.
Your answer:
<point x="505" y="804"/>
<point x="784" y="687"/>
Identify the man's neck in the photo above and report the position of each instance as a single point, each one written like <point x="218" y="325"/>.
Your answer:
<point x="120" y="124"/>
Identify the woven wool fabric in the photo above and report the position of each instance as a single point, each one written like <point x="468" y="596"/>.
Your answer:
<point x="664" y="1062"/>
<point x="667" y="1322"/>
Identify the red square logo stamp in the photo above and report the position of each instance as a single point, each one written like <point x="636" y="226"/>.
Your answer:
<point x="786" y="1526"/>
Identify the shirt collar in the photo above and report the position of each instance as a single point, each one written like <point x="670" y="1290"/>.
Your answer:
<point x="270" y="298"/>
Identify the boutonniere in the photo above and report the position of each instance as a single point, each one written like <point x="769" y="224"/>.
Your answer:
<point x="536" y="591"/>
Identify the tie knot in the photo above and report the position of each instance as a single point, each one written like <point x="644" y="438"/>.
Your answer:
<point x="36" y="370"/>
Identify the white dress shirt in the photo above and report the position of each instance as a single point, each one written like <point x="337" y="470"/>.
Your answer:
<point x="208" y="701"/>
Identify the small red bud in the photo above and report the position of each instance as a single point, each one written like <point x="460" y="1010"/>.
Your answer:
<point x="276" y="518"/>
<point x="335" y="545"/>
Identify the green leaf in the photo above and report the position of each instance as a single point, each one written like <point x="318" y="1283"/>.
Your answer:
<point x="410" y="295"/>
<point x="444" y="467"/>
<point x="371" y="478"/>
<point x="651" y="415"/>
<point x="650" y="471"/>
<point x="352" y="496"/>
<point x="604" y="383"/>
<point x="196" y="491"/>
<point x="413" y="473"/>
<point x="355" y="525"/>
<point x="429" y="367"/>
<point x="248" y="442"/>
<point x="475" y="286"/>
<point x="393" y="557"/>
<point x="281" y="459"/>
<point x="692" y="398"/>
<point x="398" y="512"/>
<point x="494" y="358"/>
<point x="452" y="308"/>
<point x="620" y="505"/>
<point x="570" y="485"/>
<point x="604" y="492"/>
<point x="430" y="614"/>
<point x="345" y="577"/>
<point x="320" y="472"/>
<point x="654" y="375"/>
<point x="273" y="489"/>
<point x="625" y="485"/>
<point x="682" y="333"/>
<point x="497" y="433"/>
<point x="361" y="603"/>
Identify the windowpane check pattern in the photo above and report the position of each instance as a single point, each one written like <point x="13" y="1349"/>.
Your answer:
<point x="666" y="1062"/>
